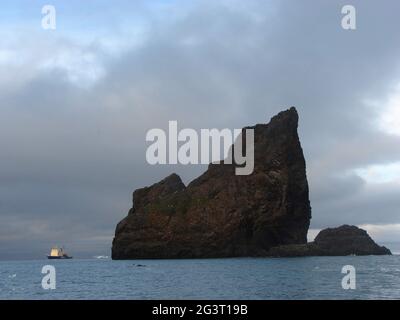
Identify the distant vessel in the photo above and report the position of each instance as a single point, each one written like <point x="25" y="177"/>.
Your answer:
<point x="101" y="257"/>
<point x="58" y="253"/>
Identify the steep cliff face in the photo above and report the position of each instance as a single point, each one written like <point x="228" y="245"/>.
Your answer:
<point x="221" y="214"/>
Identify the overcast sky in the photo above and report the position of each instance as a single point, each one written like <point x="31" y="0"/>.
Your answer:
<point x="76" y="103"/>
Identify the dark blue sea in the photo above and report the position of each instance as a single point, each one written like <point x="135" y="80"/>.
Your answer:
<point x="377" y="277"/>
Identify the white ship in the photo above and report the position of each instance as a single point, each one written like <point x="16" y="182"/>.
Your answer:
<point x="58" y="253"/>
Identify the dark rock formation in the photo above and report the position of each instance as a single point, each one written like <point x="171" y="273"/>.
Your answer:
<point x="341" y="241"/>
<point x="221" y="214"/>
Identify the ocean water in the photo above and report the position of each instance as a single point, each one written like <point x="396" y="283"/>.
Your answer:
<point x="377" y="277"/>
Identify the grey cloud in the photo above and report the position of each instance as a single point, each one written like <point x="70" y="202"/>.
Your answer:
<point x="71" y="155"/>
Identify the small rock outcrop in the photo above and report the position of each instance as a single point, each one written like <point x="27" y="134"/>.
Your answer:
<point x="340" y="241"/>
<point x="221" y="214"/>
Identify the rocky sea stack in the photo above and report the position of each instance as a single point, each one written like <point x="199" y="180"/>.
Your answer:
<point x="221" y="214"/>
<point x="342" y="241"/>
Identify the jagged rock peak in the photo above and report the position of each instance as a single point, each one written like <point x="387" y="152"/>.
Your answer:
<point x="221" y="214"/>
